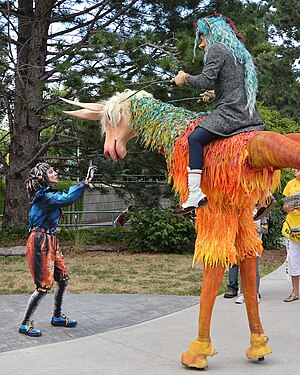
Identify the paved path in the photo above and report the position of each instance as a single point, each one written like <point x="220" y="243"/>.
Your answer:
<point x="96" y="313"/>
<point x="16" y="250"/>
<point x="153" y="336"/>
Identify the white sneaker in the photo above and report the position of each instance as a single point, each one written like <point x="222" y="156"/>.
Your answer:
<point x="240" y="299"/>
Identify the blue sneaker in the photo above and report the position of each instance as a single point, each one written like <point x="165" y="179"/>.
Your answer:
<point x="29" y="330"/>
<point x="63" y="321"/>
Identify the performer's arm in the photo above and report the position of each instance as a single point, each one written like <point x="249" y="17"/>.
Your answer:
<point x="65" y="198"/>
<point x="207" y="78"/>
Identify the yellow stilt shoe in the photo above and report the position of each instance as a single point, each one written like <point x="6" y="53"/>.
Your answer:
<point x="197" y="354"/>
<point x="258" y="346"/>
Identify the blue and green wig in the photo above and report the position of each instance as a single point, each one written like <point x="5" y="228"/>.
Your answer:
<point x="219" y="29"/>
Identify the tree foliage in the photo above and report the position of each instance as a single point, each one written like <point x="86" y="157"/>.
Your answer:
<point x="89" y="50"/>
<point x="282" y="91"/>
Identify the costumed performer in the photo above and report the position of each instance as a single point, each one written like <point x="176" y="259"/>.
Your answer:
<point x="229" y="71"/>
<point x="45" y="258"/>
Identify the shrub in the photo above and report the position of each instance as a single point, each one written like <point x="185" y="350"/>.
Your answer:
<point x="273" y="239"/>
<point x="91" y="236"/>
<point x="13" y="234"/>
<point x="160" y="232"/>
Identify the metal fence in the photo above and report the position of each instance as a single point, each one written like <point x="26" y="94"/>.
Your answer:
<point x="136" y="178"/>
<point x="73" y="219"/>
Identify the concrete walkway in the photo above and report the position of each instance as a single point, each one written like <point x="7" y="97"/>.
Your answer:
<point x="156" y="330"/>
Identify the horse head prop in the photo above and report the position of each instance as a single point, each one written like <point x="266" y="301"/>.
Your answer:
<point x="115" y="115"/>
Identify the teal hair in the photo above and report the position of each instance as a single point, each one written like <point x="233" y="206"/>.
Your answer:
<point x="218" y="30"/>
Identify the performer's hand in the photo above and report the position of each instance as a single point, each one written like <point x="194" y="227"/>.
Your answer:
<point x="180" y="79"/>
<point x="90" y="172"/>
<point x="208" y="96"/>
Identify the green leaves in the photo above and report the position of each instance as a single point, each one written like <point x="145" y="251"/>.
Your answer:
<point x="160" y="232"/>
<point x="276" y="122"/>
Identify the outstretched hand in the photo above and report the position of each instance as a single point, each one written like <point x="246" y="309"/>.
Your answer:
<point x="90" y="172"/>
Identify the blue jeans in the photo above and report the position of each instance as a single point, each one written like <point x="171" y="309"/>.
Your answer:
<point x="233" y="276"/>
<point x="197" y="140"/>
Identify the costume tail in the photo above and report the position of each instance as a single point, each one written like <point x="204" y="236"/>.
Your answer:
<point x="269" y="149"/>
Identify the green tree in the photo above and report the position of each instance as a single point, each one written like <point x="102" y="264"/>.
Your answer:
<point x="53" y="43"/>
<point x="281" y="62"/>
<point x="89" y="50"/>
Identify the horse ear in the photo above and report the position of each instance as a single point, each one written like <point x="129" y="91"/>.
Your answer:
<point x="97" y="107"/>
<point x="86" y="114"/>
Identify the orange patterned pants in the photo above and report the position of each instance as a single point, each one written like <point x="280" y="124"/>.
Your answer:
<point x="45" y="258"/>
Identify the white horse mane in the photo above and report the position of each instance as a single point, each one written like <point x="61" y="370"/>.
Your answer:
<point x="119" y="105"/>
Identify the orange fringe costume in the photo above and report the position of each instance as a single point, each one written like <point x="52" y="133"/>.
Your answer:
<point x="226" y="232"/>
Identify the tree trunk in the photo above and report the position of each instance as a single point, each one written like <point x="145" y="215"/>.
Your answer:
<point x="25" y="131"/>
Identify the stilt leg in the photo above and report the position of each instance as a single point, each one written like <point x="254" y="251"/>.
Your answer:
<point x="201" y="348"/>
<point x="258" y="341"/>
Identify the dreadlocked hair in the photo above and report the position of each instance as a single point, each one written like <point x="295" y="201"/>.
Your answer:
<point x="219" y="29"/>
<point x="37" y="179"/>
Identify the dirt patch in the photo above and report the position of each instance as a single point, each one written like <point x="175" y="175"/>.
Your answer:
<point x="273" y="256"/>
<point x="107" y="247"/>
<point x="110" y="246"/>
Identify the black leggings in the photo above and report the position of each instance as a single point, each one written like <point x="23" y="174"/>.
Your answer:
<point x="32" y="305"/>
<point x="37" y="296"/>
<point x="197" y="140"/>
<point x="61" y="287"/>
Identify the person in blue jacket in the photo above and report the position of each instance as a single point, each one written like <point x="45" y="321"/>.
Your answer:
<point x="45" y="258"/>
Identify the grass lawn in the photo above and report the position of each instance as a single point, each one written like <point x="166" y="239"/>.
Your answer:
<point x="123" y="272"/>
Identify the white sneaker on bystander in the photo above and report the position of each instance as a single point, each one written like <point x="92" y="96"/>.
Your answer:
<point x="240" y="299"/>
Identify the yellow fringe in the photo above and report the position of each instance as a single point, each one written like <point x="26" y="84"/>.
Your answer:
<point x="226" y="232"/>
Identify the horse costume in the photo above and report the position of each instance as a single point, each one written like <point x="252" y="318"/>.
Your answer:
<point x="239" y="171"/>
